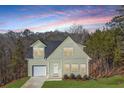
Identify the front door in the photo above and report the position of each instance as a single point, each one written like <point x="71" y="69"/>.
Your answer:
<point x="55" y="69"/>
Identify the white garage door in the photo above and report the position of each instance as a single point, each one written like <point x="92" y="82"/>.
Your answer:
<point x="39" y="71"/>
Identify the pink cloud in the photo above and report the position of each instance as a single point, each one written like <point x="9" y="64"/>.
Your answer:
<point x="66" y="13"/>
<point x="35" y="16"/>
<point x="41" y="15"/>
<point x="60" y="12"/>
<point x="85" y="21"/>
<point x="3" y="31"/>
<point x="94" y="20"/>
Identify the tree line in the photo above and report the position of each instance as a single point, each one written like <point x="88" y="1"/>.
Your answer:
<point x="106" y="48"/>
<point x="14" y="47"/>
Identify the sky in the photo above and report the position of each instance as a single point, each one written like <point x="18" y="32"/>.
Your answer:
<point x="42" y="18"/>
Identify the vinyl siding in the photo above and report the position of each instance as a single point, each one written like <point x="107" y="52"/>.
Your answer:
<point x="33" y="62"/>
<point x="57" y="56"/>
<point x="79" y="57"/>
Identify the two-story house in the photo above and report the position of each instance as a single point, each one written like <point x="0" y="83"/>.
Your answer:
<point x="54" y="59"/>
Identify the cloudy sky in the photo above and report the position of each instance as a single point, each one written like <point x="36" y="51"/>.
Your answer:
<point x="46" y="18"/>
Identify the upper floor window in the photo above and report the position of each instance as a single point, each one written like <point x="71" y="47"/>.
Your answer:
<point x="68" y="52"/>
<point x="38" y="52"/>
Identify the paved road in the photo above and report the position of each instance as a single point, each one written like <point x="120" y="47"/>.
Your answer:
<point x="34" y="82"/>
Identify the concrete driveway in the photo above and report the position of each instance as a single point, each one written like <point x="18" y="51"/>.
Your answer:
<point x="34" y="82"/>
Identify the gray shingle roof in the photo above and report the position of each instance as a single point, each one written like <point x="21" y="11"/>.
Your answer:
<point x="51" y="46"/>
<point x="29" y="53"/>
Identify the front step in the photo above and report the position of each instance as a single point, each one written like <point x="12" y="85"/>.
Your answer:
<point x="54" y="79"/>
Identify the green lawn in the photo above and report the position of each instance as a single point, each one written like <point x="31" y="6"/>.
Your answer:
<point x="112" y="82"/>
<point x="16" y="83"/>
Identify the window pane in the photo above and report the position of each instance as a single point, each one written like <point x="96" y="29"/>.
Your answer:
<point x="66" y="67"/>
<point x="74" y="67"/>
<point x="38" y="52"/>
<point x="83" y="68"/>
<point x="68" y="51"/>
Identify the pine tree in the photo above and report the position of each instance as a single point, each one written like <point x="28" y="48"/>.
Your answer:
<point x="18" y="59"/>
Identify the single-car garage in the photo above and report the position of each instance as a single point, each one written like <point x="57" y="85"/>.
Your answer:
<point x="39" y="70"/>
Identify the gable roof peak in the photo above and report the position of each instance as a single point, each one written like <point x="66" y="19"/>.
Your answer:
<point x="68" y="37"/>
<point x="38" y="41"/>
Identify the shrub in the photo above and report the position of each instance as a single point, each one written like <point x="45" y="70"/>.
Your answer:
<point x="72" y="76"/>
<point x="65" y="77"/>
<point x="78" y="77"/>
<point x="85" y="77"/>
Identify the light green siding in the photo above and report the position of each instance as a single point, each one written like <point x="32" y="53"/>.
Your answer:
<point x="38" y="44"/>
<point x="70" y="62"/>
<point x="37" y="60"/>
<point x="79" y="57"/>
<point x="68" y="42"/>
<point x="33" y="62"/>
<point x="51" y="66"/>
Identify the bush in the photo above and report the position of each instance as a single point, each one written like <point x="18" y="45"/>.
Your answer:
<point x="78" y="77"/>
<point x="85" y="77"/>
<point x="72" y="76"/>
<point x="65" y="77"/>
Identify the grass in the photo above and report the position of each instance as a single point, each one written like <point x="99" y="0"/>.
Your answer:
<point x="112" y="82"/>
<point x="16" y="83"/>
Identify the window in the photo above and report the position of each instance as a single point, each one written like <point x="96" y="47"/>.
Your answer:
<point x="74" y="67"/>
<point x="66" y="67"/>
<point x="38" y="52"/>
<point x="83" y="68"/>
<point x="68" y="52"/>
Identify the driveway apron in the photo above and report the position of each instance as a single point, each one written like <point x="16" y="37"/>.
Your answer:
<point x="34" y="82"/>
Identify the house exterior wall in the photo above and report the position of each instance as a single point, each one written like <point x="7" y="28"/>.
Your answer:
<point x="38" y="44"/>
<point x="33" y="62"/>
<point x="79" y="57"/>
<point x="68" y="42"/>
<point x="75" y="61"/>
<point x="51" y="67"/>
<point x="37" y="60"/>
